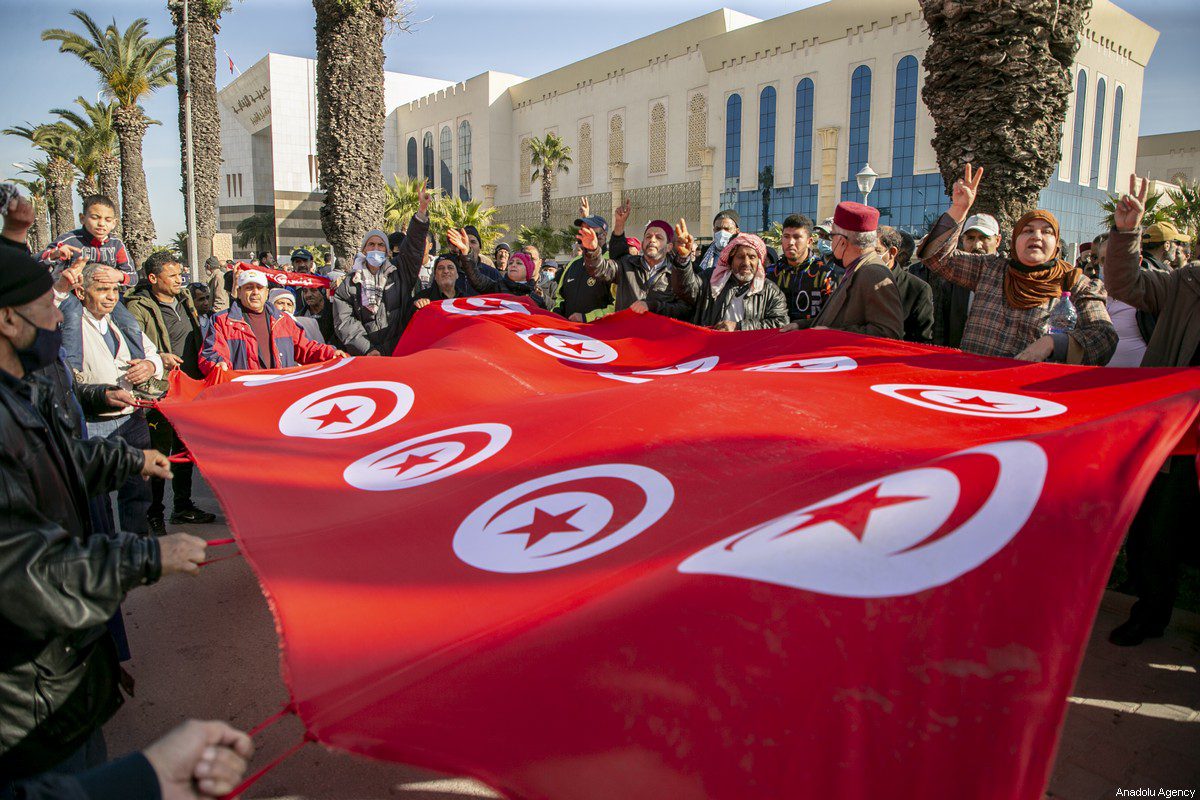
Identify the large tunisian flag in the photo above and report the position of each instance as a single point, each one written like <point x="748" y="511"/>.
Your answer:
<point x="636" y="559"/>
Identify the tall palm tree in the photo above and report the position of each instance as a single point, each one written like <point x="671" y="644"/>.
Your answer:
<point x="454" y="212"/>
<point x="257" y="230"/>
<point x="203" y="24"/>
<point x="549" y="156"/>
<point x="37" y="195"/>
<point x="96" y="158"/>
<point x="350" y="114"/>
<point x="1017" y="87"/>
<point x="131" y="64"/>
<point x="58" y="142"/>
<point x="179" y="244"/>
<point x="401" y="198"/>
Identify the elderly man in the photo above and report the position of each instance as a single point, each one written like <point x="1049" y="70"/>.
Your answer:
<point x="643" y="282"/>
<point x="62" y="583"/>
<point x="252" y="335"/>
<point x="445" y="276"/>
<point x="302" y="260"/>
<point x="733" y="295"/>
<point x="1159" y="535"/>
<point x="285" y="303"/>
<point x="866" y="299"/>
<point x="214" y="277"/>
<point x="582" y="298"/>
<point x="315" y="305"/>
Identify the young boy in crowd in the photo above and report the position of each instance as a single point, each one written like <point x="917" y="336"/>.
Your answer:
<point x="92" y="241"/>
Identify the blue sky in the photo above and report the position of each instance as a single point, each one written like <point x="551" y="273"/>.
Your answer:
<point x="454" y="39"/>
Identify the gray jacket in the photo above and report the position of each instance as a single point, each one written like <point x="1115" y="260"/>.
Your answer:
<point x="635" y="281"/>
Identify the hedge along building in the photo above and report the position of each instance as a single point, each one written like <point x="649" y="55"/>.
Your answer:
<point x="269" y="146"/>
<point x="769" y="117"/>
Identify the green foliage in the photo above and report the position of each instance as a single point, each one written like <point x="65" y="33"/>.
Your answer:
<point x="549" y="240"/>
<point x="1185" y="207"/>
<point x="773" y="237"/>
<point x="1156" y="211"/>
<point x="94" y="133"/>
<point x="131" y="64"/>
<point x="320" y="253"/>
<point x="179" y="243"/>
<point x="55" y="139"/>
<point x="401" y="199"/>
<point x="548" y="156"/>
<point x="257" y="230"/>
<point x="454" y="212"/>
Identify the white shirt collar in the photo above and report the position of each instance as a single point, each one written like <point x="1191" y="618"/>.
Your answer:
<point x="101" y="323"/>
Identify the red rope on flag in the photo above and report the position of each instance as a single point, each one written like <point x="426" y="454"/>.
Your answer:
<point x="253" y="779"/>
<point x="271" y="720"/>
<point x="221" y="558"/>
<point x="180" y="458"/>
<point x="218" y="542"/>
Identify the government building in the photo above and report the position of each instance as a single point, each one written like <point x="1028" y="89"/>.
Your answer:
<point x="770" y="117"/>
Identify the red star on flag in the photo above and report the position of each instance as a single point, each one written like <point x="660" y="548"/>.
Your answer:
<point x="578" y="347"/>
<point x="546" y="524"/>
<point x="851" y="513"/>
<point x="491" y="302"/>
<point x="334" y="415"/>
<point x="976" y="400"/>
<point x="411" y="461"/>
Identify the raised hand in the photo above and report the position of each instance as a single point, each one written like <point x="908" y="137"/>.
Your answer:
<point x="1128" y="214"/>
<point x="585" y="208"/>
<point x="587" y="239"/>
<point x="685" y="244"/>
<point x="621" y="216"/>
<point x="965" y="189"/>
<point x="421" y="302"/>
<point x="458" y="241"/>
<point x="423" y="199"/>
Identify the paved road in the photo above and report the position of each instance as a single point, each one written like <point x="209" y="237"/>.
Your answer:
<point x="206" y="648"/>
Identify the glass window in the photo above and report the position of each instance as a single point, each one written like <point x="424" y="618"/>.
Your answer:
<point x="1115" y="145"/>
<point x="733" y="141"/>
<point x="412" y="157"/>
<point x="766" y="130"/>
<point x="464" y="160"/>
<point x="445" y="156"/>
<point x="427" y="158"/>
<point x="904" y="129"/>
<point x="860" y="118"/>
<point x="1097" y="134"/>
<point x="1077" y="136"/>
<point x="802" y="169"/>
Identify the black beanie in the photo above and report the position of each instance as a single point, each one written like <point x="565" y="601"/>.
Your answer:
<point x="471" y="230"/>
<point x="22" y="278"/>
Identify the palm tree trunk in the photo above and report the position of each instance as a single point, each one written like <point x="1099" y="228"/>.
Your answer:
<point x="60" y="176"/>
<point x="206" y="119"/>
<point x="1018" y="87"/>
<point x="136" y="220"/>
<point x="37" y="241"/>
<point x="545" y="195"/>
<point x="88" y="186"/>
<point x="109" y="184"/>
<point x="350" y="117"/>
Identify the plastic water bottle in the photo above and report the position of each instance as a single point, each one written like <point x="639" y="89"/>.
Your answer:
<point x="1063" y="315"/>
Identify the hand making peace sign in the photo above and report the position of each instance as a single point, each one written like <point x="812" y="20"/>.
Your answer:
<point x="1128" y="214"/>
<point x="423" y="199"/>
<point x="965" y="189"/>
<point x="684" y="242"/>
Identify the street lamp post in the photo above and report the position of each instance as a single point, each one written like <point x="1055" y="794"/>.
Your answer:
<point x="866" y="181"/>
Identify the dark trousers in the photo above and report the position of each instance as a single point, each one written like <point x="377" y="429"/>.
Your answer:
<point x="1160" y="533"/>
<point x="166" y="442"/>
<point x="133" y="497"/>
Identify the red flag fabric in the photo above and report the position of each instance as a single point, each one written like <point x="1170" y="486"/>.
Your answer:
<point x="283" y="278"/>
<point x="640" y="559"/>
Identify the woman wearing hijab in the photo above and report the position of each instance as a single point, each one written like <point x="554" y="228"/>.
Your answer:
<point x="1015" y="293"/>
<point x="519" y="278"/>
<point x="734" y="294"/>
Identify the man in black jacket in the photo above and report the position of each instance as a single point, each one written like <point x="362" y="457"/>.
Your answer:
<point x="58" y="665"/>
<point x="916" y="298"/>
<point x="734" y="295"/>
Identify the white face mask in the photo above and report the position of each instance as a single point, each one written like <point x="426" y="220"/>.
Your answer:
<point x="375" y="258"/>
<point x="721" y="238"/>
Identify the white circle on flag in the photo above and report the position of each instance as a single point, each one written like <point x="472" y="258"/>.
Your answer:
<point x="428" y="458"/>
<point x="971" y="402"/>
<point x="477" y="306"/>
<point x="893" y="536"/>
<point x="821" y="364"/>
<point x="569" y="345"/>
<point x="318" y="369"/>
<point x="533" y="528"/>
<point x="351" y="409"/>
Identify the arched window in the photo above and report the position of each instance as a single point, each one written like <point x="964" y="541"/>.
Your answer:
<point x="616" y="139"/>
<point x="526" y="167"/>
<point x="427" y="157"/>
<point x="697" y="133"/>
<point x="860" y="118"/>
<point x="446" y="157"/>
<point x="658" y="139"/>
<point x="464" y="160"/>
<point x="1115" y="145"/>
<point x="413" y="169"/>
<point x="802" y="167"/>
<point x="585" y="154"/>
<point x="904" y="130"/>
<point x="733" y="141"/>
<point x="766" y="131"/>
<point x="1097" y="134"/>
<point x="1077" y="135"/>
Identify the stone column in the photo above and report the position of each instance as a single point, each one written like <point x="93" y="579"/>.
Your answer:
<point x="827" y="190"/>
<point x="616" y="180"/>
<point x="489" y="195"/>
<point x="708" y="208"/>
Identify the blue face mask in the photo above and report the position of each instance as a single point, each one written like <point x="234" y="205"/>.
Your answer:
<point x="721" y="238"/>
<point x="824" y="247"/>
<point x="375" y="258"/>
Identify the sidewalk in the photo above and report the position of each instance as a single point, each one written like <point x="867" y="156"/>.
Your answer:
<point x="206" y="648"/>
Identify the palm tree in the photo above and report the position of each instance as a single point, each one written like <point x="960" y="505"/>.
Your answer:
<point x="203" y="23"/>
<point x="454" y="212"/>
<point x="58" y="142"/>
<point x="350" y="114"/>
<point x="401" y="198"/>
<point x="548" y="157"/>
<point x="258" y="230"/>
<point x="131" y="64"/>
<point x="37" y="195"/>
<point x="547" y="239"/>
<point x="96" y="158"/>
<point x="179" y="243"/>
<point x="1017" y="87"/>
<point x="1185" y="207"/>
<point x="1156" y="210"/>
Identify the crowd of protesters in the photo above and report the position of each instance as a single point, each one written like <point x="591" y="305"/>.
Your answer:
<point x="87" y="341"/>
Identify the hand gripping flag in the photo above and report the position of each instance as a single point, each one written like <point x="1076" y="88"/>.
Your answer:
<point x="639" y="559"/>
